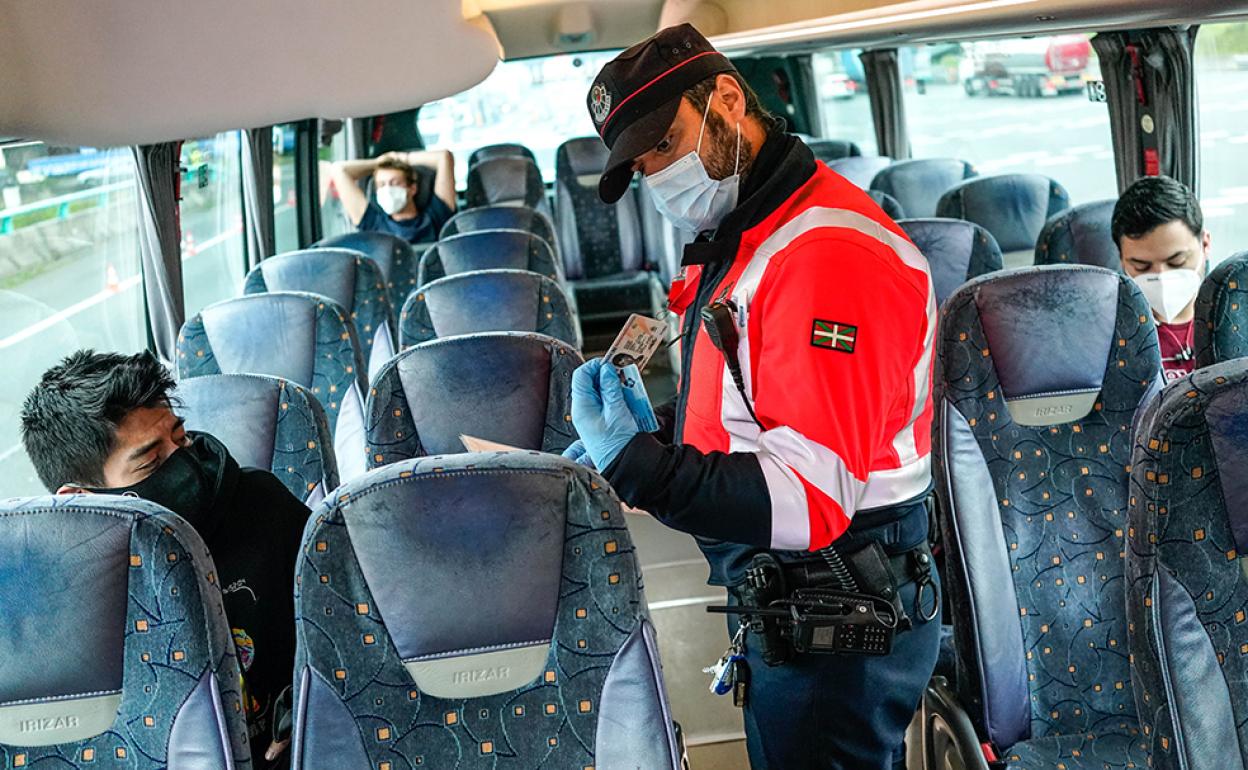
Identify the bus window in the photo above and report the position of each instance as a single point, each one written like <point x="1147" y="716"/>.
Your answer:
<point x="843" y="99"/>
<point x="1013" y="106"/>
<point x="1221" y="80"/>
<point x="333" y="148"/>
<point x="285" y="222"/>
<point x="212" y="220"/>
<point x="69" y="273"/>
<point x="539" y="103"/>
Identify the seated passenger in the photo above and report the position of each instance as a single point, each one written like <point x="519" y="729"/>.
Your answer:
<point x="395" y="186"/>
<point x="105" y="423"/>
<point x="1164" y="247"/>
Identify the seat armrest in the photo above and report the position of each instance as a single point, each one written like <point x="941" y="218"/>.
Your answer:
<point x="949" y="739"/>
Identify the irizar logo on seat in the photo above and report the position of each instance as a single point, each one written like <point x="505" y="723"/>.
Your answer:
<point x="45" y="724"/>
<point x="1054" y="410"/>
<point x="487" y="674"/>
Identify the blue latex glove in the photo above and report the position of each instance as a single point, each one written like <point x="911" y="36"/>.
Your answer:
<point x="599" y="412"/>
<point x="577" y="453"/>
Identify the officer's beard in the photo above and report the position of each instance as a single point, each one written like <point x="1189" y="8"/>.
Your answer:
<point x="720" y="143"/>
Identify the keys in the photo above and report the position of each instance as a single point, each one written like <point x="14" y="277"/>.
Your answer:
<point x="730" y="674"/>
<point x="740" y="683"/>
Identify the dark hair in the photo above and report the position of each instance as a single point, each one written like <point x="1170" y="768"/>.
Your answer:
<point x="699" y="93"/>
<point x="397" y="165"/>
<point x="70" y="419"/>
<point x="1154" y="201"/>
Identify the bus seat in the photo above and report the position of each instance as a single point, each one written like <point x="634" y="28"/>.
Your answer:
<point x="350" y="279"/>
<point x="603" y="254"/>
<point x="503" y="217"/>
<point x="395" y="256"/>
<point x="860" y="170"/>
<point x="828" y="150"/>
<point x="1080" y="235"/>
<point x="918" y="184"/>
<point x="1221" y="330"/>
<point x="268" y="423"/>
<point x="1042" y="372"/>
<point x="488" y="301"/>
<point x="1187" y="589"/>
<point x="500" y="150"/>
<point x="509" y="179"/>
<point x="304" y="338"/>
<point x="664" y="243"/>
<point x="458" y="610"/>
<point x="890" y="205"/>
<point x="1013" y="207"/>
<point x="956" y="251"/>
<point x="114" y="649"/>
<point x="488" y="250"/>
<point x="513" y="388"/>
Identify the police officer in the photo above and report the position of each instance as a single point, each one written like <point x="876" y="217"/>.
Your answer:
<point x="826" y="441"/>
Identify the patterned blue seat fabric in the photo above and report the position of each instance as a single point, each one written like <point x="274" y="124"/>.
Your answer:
<point x="828" y="150"/>
<point x="1080" y="235"/>
<point x="350" y="279"/>
<point x="956" y="251"/>
<point x="1221" y="331"/>
<point x="501" y="150"/>
<point x="395" y="256"/>
<point x="888" y="204"/>
<point x="1013" y="207"/>
<point x="488" y="250"/>
<point x="918" y="184"/>
<point x="1187" y="593"/>
<point x="603" y="254"/>
<point x="509" y="179"/>
<point x="504" y="217"/>
<point x="1041" y="374"/>
<point x="114" y="649"/>
<point x="302" y="338"/>
<point x="266" y="423"/>
<point x="860" y="170"/>
<point x="508" y="387"/>
<point x="476" y="611"/>
<point x="488" y="301"/>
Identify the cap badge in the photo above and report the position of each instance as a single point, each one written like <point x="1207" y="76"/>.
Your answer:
<point x="599" y="102"/>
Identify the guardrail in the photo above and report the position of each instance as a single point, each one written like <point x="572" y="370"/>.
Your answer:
<point x="60" y="203"/>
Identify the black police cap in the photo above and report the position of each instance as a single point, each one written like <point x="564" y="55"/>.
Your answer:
<point x="634" y="99"/>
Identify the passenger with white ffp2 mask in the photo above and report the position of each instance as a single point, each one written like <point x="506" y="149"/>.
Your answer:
<point x="393" y="208"/>
<point x="1164" y="247"/>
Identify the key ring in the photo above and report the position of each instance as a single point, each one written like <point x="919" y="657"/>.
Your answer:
<point x="925" y="583"/>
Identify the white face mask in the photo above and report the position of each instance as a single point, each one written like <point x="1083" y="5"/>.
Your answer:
<point x="392" y="199"/>
<point x="685" y="194"/>
<point x="1170" y="292"/>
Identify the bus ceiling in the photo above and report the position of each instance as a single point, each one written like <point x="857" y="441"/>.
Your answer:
<point x="144" y="71"/>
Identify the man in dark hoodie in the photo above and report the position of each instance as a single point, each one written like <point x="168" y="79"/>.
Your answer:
<point x="106" y="423"/>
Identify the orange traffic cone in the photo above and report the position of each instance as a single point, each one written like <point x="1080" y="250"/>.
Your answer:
<point x="112" y="282"/>
<point x="189" y="249"/>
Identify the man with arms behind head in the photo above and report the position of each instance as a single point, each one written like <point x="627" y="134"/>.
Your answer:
<point x="104" y="423"/>
<point x="395" y="189"/>
<point x="1164" y="247"/>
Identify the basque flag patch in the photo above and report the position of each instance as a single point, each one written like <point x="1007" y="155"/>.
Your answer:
<point x="834" y="335"/>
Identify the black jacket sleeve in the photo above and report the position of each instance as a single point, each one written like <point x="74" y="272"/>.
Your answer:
<point x="666" y="416"/>
<point x="718" y="495"/>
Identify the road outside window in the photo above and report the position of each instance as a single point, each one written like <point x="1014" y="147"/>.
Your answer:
<point x="1221" y="82"/>
<point x="212" y="220"/>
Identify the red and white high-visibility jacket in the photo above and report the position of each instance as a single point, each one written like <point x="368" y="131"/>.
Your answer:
<point x="836" y="316"/>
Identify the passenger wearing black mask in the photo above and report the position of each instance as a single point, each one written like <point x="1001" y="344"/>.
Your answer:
<point x="105" y="423"/>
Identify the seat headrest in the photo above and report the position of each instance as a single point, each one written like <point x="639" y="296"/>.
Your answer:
<point x="1221" y="331"/>
<point x="1080" y="235"/>
<point x="828" y="150"/>
<point x="956" y="251"/>
<point x="491" y="250"/>
<point x="580" y="157"/>
<point x="1013" y="207"/>
<point x="501" y="150"/>
<point x="508" y="178"/>
<point x="501" y="218"/>
<point x="1053" y="335"/>
<point x="383" y="248"/>
<point x="918" y="184"/>
<point x="888" y="204"/>
<point x="860" y="170"/>
<point x="488" y="300"/>
<point x="509" y="387"/>
<point x="330" y="272"/>
<point x="266" y="423"/>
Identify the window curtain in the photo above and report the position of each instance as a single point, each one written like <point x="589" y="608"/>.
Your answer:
<point x="888" y="110"/>
<point x="1151" y="90"/>
<point x="158" y="169"/>
<point x="258" y="193"/>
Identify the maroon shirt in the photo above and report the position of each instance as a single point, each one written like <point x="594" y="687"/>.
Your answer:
<point x="1175" y="341"/>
